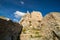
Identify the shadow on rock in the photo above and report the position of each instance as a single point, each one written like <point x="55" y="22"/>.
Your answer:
<point x="10" y="30"/>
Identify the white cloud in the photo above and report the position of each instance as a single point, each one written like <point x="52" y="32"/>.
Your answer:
<point x="19" y="14"/>
<point x="22" y="2"/>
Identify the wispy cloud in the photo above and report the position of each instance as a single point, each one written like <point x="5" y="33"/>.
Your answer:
<point x="21" y="2"/>
<point x="19" y="14"/>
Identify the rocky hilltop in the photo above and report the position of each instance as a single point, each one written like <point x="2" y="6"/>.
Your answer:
<point x="32" y="19"/>
<point x="37" y="27"/>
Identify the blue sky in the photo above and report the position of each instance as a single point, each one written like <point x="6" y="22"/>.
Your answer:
<point x="9" y="7"/>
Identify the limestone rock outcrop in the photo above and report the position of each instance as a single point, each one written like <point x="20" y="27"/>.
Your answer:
<point x="31" y="26"/>
<point x="42" y="28"/>
<point x="32" y="19"/>
<point x="51" y="26"/>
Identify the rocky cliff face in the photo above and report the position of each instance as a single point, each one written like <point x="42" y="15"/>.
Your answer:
<point x="32" y="19"/>
<point x="31" y="26"/>
<point x="35" y="27"/>
<point x="51" y="26"/>
<point x="42" y="28"/>
<point x="9" y="30"/>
